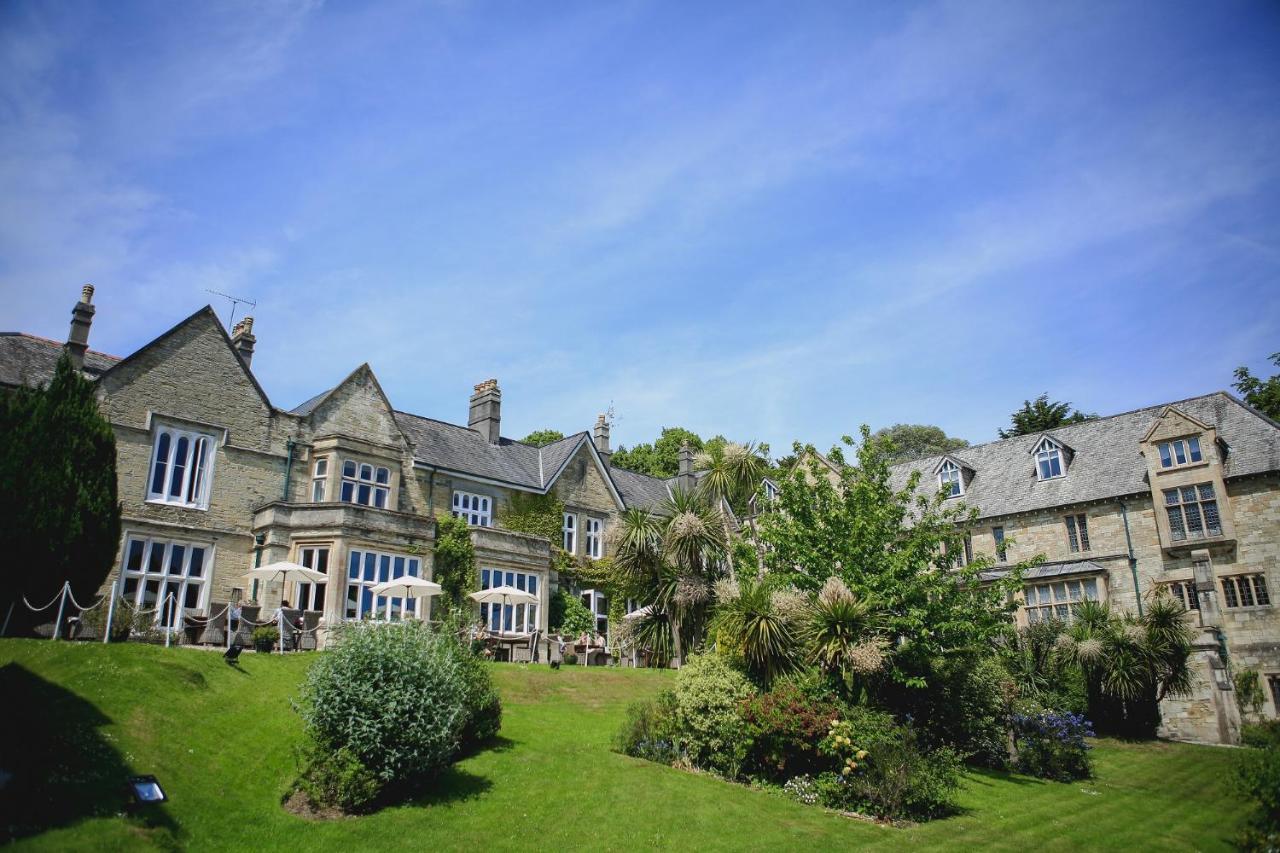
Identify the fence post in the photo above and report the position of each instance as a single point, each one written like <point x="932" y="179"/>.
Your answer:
<point x="111" y="607"/>
<point x="168" y="633"/>
<point x="4" y="630"/>
<point x="62" y="603"/>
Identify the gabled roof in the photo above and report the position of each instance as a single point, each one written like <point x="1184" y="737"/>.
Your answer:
<point x="363" y="372"/>
<point x="30" y="360"/>
<point x="955" y="460"/>
<point x="1042" y="437"/>
<point x="1106" y="461"/>
<point x="204" y="315"/>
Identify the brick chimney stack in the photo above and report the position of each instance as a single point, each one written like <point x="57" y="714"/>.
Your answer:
<point x="243" y="340"/>
<point x="600" y="434"/>
<point x="81" y="320"/>
<point x="485" y="416"/>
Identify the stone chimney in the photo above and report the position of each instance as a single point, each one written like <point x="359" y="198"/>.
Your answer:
<point x="685" y="480"/>
<point x="486" y="410"/>
<point x="243" y="340"/>
<point x="81" y="320"/>
<point x="600" y="435"/>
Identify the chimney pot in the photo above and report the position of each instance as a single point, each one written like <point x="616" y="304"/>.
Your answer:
<point x="243" y="340"/>
<point x="485" y="415"/>
<point x="86" y="294"/>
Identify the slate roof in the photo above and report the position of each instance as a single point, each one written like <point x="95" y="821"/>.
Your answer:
<point x="1105" y="462"/>
<point x="30" y="360"/>
<point x="1051" y="570"/>
<point x="457" y="448"/>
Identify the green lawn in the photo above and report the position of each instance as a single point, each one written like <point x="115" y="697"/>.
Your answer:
<point x="220" y="741"/>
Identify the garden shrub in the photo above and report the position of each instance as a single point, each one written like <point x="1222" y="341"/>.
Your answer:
<point x="395" y="697"/>
<point x="707" y="700"/>
<point x="1261" y="734"/>
<point x="1051" y="745"/>
<point x="484" y="707"/>
<point x="649" y="730"/>
<point x="264" y="637"/>
<point x="965" y="707"/>
<point x="336" y="780"/>
<point x="885" y="770"/>
<point x="1257" y="777"/>
<point x="569" y="616"/>
<point x="123" y="620"/>
<point x="785" y="726"/>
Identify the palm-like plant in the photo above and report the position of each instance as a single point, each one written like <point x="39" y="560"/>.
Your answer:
<point x="676" y="554"/>
<point x="840" y="633"/>
<point x="752" y="622"/>
<point x="733" y="473"/>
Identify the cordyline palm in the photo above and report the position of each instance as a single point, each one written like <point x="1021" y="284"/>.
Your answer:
<point x="752" y="622"/>
<point x="840" y="633"/>
<point x="675" y="553"/>
<point x="733" y="473"/>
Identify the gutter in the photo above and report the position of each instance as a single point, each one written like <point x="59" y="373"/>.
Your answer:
<point x="1133" y="561"/>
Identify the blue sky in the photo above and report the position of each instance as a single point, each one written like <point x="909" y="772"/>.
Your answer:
<point x="773" y="221"/>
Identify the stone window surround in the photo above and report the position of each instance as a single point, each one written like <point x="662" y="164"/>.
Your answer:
<point x="340" y="449"/>
<point x="569" y="532"/>
<point x="1237" y="577"/>
<point x="1207" y="470"/>
<point x="1102" y="579"/>
<point x="487" y="518"/>
<point x="593" y="539"/>
<point x="140" y="577"/>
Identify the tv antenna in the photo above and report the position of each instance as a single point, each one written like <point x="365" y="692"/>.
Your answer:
<point x="235" y="300"/>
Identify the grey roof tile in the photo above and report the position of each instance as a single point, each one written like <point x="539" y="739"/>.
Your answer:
<point x="1105" y="462"/>
<point x="639" y="490"/>
<point x="30" y="360"/>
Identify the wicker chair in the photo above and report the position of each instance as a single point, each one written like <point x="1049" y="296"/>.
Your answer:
<point x="310" y="621"/>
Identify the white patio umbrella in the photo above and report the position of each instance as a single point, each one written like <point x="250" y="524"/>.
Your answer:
<point x="285" y="571"/>
<point x="408" y="586"/>
<point x="640" y="613"/>
<point x="503" y="595"/>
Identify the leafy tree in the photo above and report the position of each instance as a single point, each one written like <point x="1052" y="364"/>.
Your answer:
<point x="660" y="459"/>
<point x="1039" y="415"/>
<point x="569" y="616"/>
<point x="1263" y="395"/>
<point x="892" y="550"/>
<point x="542" y="437"/>
<point x="916" y="441"/>
<point x="57" y="491"/>
<point x="455" y="559"/>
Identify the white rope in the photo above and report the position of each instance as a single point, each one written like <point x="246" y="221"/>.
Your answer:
<point x="35" y="609"/>
<point x="80" y="606"/>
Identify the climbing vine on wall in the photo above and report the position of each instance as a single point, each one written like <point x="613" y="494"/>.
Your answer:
<point x="541" y="515"/>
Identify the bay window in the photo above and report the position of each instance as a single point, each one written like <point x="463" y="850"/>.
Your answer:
<point x="1058" y="599"/>
<point x="366" y="569"/>
<point x="181" y="468"/>
<point x="365" y="484"/>
<point x="509" y="618"/>
<point x="1193" y="512"/>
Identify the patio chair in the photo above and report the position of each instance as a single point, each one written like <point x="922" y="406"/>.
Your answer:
<point x="310" y="621"/>
<point x="214" y="632"/>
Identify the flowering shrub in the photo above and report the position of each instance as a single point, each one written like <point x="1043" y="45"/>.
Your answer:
<point x="802" y="789"/>
<point x="709" y="727"/>
<point x="785" y="727"/>
<point x="1051" y="745"/>
<point x="840" y="744"/>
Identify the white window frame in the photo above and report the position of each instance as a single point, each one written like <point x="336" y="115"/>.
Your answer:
<point x="1180" y="452"/>
<point x="951" y="478"/>
<point x="596" y="602"/>
<point x="1048" y="455"/>
<point x="475" y="509"/>
<point x="149" y="564"/>
<point x="197" y="458"/>
<point x="306" y="594"/>
<point x="595" y="538"/>
<point x="569" y="533"/>
<point x="366" y="568"/>
<point x="1243" y="591"/>
<point x="516" y="618"/>
<point x="1077" y="524"/>
<point x="365" y="483"/>
<point x="319" y="479"/>
<point x="1058" y="599"/>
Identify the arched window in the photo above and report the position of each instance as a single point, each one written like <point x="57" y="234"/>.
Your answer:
<point x="949" y="478"/>
<point x="1049" y="459"/>
<point x="181" y="468"/>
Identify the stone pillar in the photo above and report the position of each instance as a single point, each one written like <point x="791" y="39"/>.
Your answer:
<point x="485" y="416"/>
<point x="243" y="339"/>
<point x="81" y="320"/>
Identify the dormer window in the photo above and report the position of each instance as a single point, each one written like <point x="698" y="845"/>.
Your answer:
<point x="950" y="480"/>
<point x="1183" y="451"/>
<point x="1049" y="459"/>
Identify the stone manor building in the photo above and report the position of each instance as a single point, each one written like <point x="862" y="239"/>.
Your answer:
<point x="216" y="479"/>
